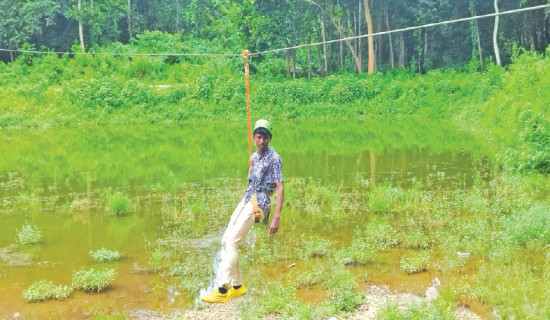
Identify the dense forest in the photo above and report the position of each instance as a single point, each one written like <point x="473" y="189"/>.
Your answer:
<point x="231" y="25"/>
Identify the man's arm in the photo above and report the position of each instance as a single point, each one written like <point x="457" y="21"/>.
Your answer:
<point x="274" y="226"/>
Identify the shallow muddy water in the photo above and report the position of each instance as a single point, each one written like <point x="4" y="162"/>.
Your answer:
<point x="58" y="179"/>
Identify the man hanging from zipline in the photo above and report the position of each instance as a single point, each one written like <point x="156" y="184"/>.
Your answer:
<point x="264" y="177"/>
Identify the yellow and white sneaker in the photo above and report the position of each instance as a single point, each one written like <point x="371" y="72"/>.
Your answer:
<point x="234" y="293"/>
<point x="216" y="297"/>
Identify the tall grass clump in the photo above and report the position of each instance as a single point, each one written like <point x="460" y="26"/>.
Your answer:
<point x="528" y="227"/>
<point x="415" y="263"/>
<point x="44" y="290"/>
<point x="391" y="311"/>
<point x="316" y="247"/>
<point x="93" y="280"/>
<point x="119" y="204"/>
<point x="28" y="235"/>
<point x="104" y="255"/>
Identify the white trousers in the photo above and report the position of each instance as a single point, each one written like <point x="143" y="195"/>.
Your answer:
<point x="240" y="224"/>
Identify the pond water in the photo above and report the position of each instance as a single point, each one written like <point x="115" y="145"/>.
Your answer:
<point x="44" y="173"/>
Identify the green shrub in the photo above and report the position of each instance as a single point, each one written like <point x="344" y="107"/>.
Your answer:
<point x="342" y="286"/>
<point x="104" y="255"/>
<point x="156" y="257"/>
<point x="315" y="248"/>
<point x="414" y="311"/>
<point x="44" y="290"/>
<point x="359" y="252"/>
<point x="381" y="236"/>
<point x="93" y="280"/>
<point x="29" y="234"/>
<point x="416" y="262"/>
<point x="119" y="204"/>
<point x="530" y="226"/>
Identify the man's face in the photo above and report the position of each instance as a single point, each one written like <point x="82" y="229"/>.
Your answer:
<point x="261" y="142"/>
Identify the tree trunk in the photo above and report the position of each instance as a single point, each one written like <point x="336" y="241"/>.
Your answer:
<point x="309" y="58"/>
<point x="495" y="33"/>
<point x="380" y="45"/>
<point x="177" y="15"/>
<point x="342" y="34"/>
<point x="359" y="50"/>
<point x="425" y="51"/>
<point x="324" y="45"/>
<point x="401" y="50"/>
<point x="479" y="47"/>
<point x="287" y="58"/>
<point x="129" y="19"/>
<point x="293" y="63"/>
<point x="392" y="60"/>
<point x="80" y="28"/>
<point x="368" y="18"/>
<point x="341" y="54"/>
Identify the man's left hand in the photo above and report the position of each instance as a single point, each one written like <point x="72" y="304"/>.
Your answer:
<point x="274" y="226"/>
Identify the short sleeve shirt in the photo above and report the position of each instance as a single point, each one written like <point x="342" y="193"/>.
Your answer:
<point x="266" y="171"/>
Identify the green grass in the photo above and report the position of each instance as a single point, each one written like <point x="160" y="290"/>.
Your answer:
<point x="44" y="290"/>
<point x="104" y="255"/>
<point x="415" y="263"/>
<point x="415" y="311"/>
<point x="119" y="204"/>
<point x="28" y="235"/>
<point x="93" y="280"/>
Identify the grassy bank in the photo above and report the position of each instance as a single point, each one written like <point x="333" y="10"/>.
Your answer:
<point x="507" y="107"/>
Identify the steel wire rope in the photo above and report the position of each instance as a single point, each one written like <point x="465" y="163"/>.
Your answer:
<point x="428" y="25"/>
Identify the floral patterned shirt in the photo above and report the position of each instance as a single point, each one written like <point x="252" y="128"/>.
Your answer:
<point x="266" y="171"/>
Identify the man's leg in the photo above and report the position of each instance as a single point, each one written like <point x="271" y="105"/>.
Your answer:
<point x="239" y="225"/>
<point x="233" y="236"/>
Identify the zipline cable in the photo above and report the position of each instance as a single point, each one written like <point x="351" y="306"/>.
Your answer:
<point x="126" y="53"/>
<point x="429" y="25"/>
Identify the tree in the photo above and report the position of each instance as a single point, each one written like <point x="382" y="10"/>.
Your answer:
<point x="495" y="34"/>
<point x="21" y="19"/>
<point x="368" y="18"/>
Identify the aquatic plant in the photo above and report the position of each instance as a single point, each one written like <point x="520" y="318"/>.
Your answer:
<point x="157" y="254"/>
<point x="119" y="204"/>
<point x="104" y="255"/>
<point x="381" y="235"/>
<point x="28" y="235"/>
<point x="315" y="247"/>
<point x="311" y="277"/>
<point x="276" y="298"/>
<point x="417" y="262"/>
<point x="359" y="252"/>
<point x="391" y="311"/>
<point x="93" y="280"/>
<point x="44" y="290"/>
<point x="528" y="227"/>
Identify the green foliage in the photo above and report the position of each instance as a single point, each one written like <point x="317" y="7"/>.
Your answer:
<point x="44" y="290"/>
<point x="279" y="299"/>
<point x="104" y="255"/>
<point x="93" y="280"/>
<point x="315" y="247"/>
<point x="342" y="292"/>
<point x="360" y="251"/>
<point x="415" y="311"/>
<point x="417" y="262"/>
<point x="119" y="204"/>
<point x="528" y="227"/>
<point x="156" y="257"/>
<point x="28" y="235"/>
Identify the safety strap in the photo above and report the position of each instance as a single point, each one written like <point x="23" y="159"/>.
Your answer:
<point x="254" y="199"/>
